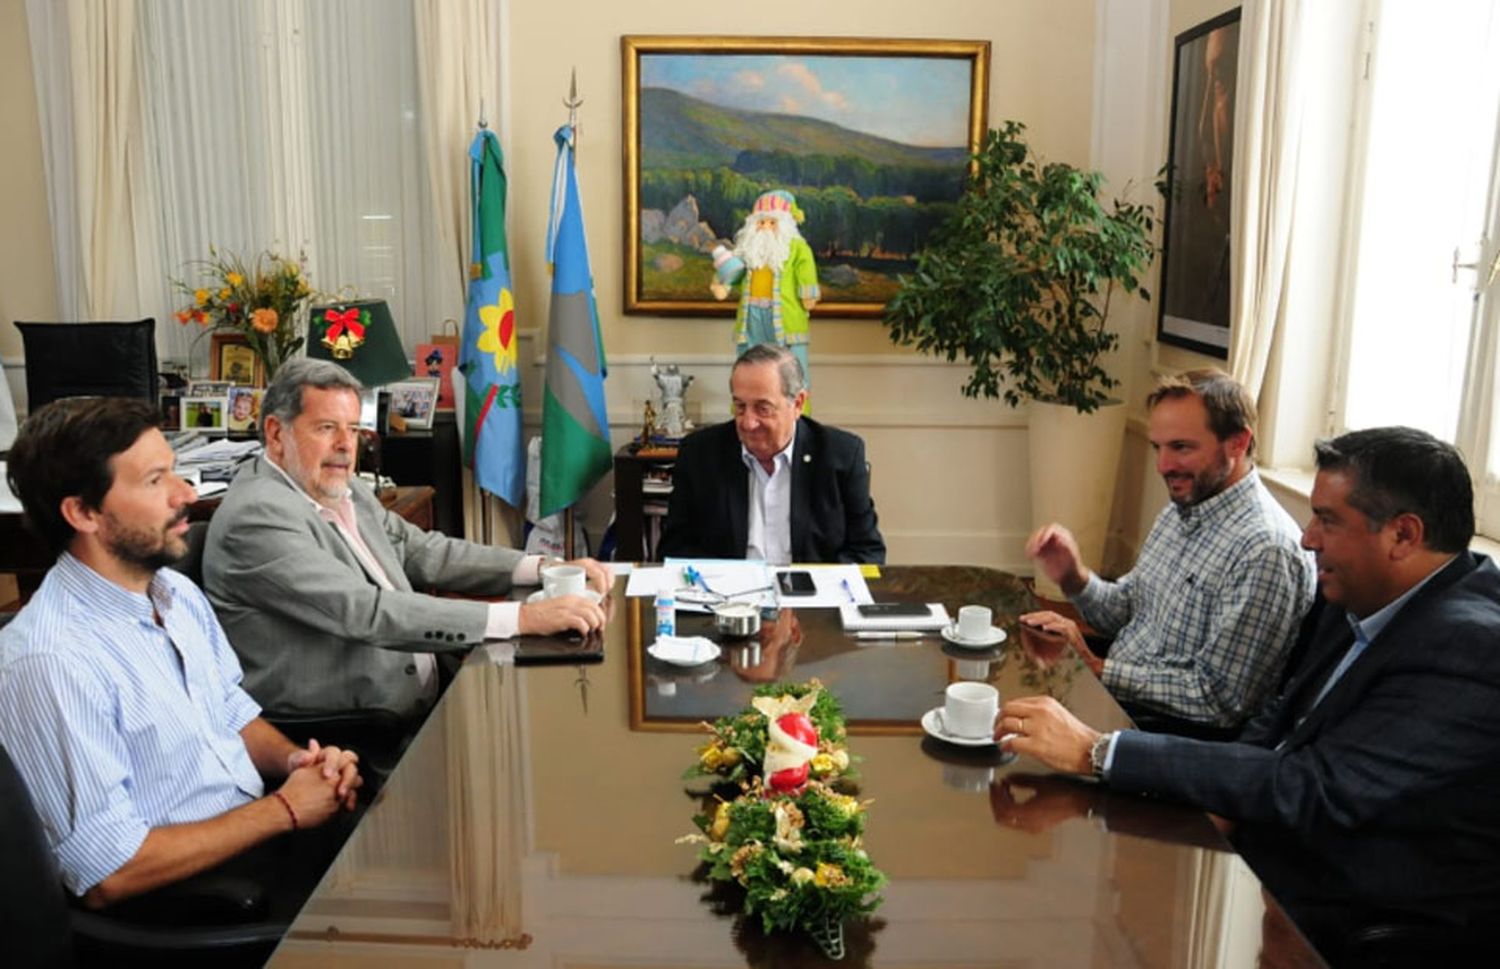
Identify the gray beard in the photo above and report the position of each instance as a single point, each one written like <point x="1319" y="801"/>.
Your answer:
<point x="762" y="250"/>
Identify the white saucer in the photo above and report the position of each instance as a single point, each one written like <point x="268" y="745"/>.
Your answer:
<point x="541" y="594"/>
<point x="933" y="724"/>
<point x="704" y="651"/>
<point x="996" y="636"/>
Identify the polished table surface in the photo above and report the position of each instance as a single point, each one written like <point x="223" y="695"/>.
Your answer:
<point x="533" y="821"/>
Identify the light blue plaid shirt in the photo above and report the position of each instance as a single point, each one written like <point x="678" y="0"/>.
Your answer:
<point x="118" y="725"/>
<point x="1204" y="621"/>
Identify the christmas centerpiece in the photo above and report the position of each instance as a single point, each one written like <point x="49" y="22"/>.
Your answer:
<point x="785" y="833"/>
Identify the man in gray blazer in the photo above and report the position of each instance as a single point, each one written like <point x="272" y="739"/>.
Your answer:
<point x="314" y="580"/>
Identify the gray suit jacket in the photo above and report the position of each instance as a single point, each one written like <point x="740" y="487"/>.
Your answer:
<point x="313" y="630"/>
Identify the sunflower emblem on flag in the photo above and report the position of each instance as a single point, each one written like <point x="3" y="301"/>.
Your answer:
<point x="499" y="336"/>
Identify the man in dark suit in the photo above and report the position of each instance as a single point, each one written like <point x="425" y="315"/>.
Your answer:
<point x="772" y="484"/>
<point x="1371" y="786"/>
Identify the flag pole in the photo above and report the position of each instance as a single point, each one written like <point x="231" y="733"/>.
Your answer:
<point x="572" y="102"/>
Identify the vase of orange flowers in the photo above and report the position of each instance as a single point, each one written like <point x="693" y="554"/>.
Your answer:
<point x="265" y="301"/>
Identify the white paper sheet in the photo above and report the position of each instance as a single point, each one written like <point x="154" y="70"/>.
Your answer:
<point x="746" y="581"/>
<point x="836" y="585"/>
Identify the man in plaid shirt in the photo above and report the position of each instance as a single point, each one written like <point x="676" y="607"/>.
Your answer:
<point x="1205" y="620"/>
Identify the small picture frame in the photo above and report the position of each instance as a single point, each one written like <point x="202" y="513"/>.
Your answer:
<point x="415" y="401"/>
<point x="208" y="388"/>
<point x="232" y="359"/>
<point x="438" y="360"/>
<point x="171" y="412"/>
<point x="244" y="409"/>
<point x="205" y="414"/>
<point x="369" y="409"/>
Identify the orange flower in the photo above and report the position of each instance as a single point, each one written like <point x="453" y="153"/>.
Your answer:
<point x="199" y="317"/>
<point x="183" y="316"/>
<point x="264" y="320"/>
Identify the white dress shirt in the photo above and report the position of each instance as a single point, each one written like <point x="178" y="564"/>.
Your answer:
<point x="768" y="533"/>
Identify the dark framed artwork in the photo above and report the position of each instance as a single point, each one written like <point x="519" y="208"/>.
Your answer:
<point x="1194" y="307"/>
<point x="872" y="136"/>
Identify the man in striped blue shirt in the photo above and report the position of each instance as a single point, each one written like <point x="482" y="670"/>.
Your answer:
<point x="120" y="701"/>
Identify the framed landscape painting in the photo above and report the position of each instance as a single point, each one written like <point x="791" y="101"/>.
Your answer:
<point x="1194" y="309"/>
<point x="872" y="138"/>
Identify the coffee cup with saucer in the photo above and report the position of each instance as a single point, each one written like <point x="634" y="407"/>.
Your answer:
<point x="967" y="716"/>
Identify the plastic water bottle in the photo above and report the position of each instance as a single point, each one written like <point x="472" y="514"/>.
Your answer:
<point x="666" y="613"/>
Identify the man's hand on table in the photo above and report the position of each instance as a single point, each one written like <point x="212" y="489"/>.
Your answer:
<point x="1044" y="729"/>
<point x="1068" y="629"/>
<point x="1056" y="550"/>
<point x="560" y="614"/>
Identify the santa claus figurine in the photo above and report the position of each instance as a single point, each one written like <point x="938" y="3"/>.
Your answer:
<point x="780" y="278"/>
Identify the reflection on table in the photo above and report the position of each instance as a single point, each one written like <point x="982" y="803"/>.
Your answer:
<point x="533" y="821"/>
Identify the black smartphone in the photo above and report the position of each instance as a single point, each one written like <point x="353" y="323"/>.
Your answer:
<point x="894" y="610"/>
<point x="796" y="583"/>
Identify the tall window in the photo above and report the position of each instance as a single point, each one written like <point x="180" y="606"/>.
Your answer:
<point x="1422" y="306"/>
<point x="293" y="126"/>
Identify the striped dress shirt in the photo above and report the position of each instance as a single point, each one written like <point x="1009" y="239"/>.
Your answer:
<point x="119" y="725"/>
<point x="1205" y="620"/>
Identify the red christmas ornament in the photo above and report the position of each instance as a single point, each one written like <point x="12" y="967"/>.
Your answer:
<point x="800" y="728"/>
<point x="790" y="779"/>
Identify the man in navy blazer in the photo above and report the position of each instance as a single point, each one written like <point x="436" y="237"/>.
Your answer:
<point x="772" y="484"/>
<point x="1371" y="786"/>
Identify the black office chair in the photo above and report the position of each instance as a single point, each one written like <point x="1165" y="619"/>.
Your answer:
<point x="34" y="926"/>
<point x="214" y="919"/>
<point x="89" y="360"/>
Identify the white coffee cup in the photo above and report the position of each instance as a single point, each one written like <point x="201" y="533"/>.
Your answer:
<point x="974" y="623"/>
<point x="970" y="709"/>
<point x="564" y="580"/>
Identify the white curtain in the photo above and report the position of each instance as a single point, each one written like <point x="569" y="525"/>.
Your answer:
<point x="85" y="58"/>
<point x="458" y="44"/>
<point x="1267" y="138"/>
<point x="283" y="125"/>
<point x="488" y="801"/>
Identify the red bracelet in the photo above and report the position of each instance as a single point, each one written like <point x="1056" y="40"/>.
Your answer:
<point x="288" y="805"/>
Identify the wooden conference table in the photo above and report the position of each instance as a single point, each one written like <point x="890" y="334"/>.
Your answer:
<point x="533" y="820"/>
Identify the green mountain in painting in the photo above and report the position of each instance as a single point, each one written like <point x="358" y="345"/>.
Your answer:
<point x="682" y="132"/>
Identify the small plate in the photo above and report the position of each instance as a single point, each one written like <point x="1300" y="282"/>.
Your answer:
<point x="541" y="594"/>
<point x="996" y="636"/>
<point x="932" y="722"/>
<point x="706" y="652"/>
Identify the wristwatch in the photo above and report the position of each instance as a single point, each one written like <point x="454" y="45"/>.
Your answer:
<point x="1099" y="751"/>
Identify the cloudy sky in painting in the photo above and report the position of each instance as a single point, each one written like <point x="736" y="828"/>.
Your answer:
<point x="894" y="97"/>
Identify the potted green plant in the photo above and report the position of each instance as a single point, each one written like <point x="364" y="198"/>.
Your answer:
<point x="1018" y="283"/>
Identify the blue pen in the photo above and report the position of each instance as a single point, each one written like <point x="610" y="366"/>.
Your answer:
<point x="847" y="591"/>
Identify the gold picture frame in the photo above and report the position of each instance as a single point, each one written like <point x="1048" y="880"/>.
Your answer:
<point x="876" y="197"/>
<point x="231" y="358"/>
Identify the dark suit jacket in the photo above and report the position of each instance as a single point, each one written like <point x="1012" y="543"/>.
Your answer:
<point x="833" y="518"/>
<point x="1387" y="795"/>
